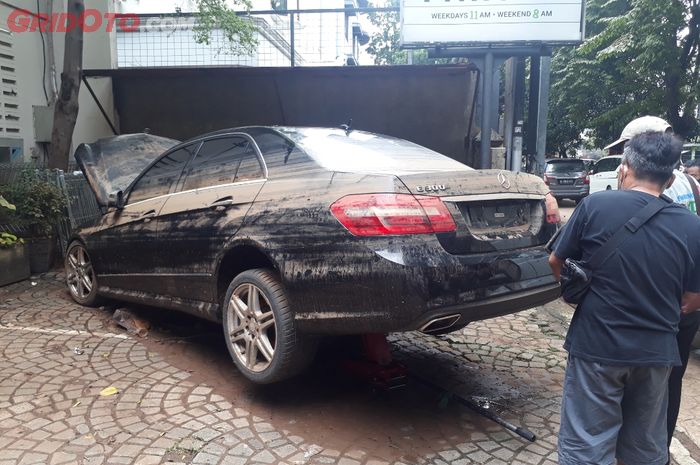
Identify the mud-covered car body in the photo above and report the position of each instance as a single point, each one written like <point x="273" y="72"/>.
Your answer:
<point x="174" y="236"/>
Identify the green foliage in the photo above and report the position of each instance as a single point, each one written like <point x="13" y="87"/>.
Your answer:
<point x="7" y="210"/>
<point x="8" y="240"/>
<point x="385" y="44"/>
<point x="641" y="57"/>
<point x="239" y="31"/>
<point x="39" y="203"/>
<point x="278" y="4"/>
<point x="6" y="205"/>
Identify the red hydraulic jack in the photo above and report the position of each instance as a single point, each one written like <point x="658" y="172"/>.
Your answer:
<point x="377" y="367"/>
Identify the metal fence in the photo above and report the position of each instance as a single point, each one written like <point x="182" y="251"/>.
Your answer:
<point x="309" y="37"/>
<point x="82" y="208"/>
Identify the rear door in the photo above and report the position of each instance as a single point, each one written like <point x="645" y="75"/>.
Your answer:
<point x="127" y="248"/>
<point x="196" y="223"/>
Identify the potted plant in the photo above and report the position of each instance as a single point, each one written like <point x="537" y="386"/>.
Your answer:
<point x="14" y="263"/>
<point x="40" y="206"/>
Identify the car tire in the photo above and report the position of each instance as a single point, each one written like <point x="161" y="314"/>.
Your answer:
<point x="609" y="188"/>
<point x="263" y="341"/>
<point x="81" y="279"/>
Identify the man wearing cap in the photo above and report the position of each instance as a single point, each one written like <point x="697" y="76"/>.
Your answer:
<point x="681" y="190"/>
<point x="622" y="338"/>
<point x="684" y="191"/>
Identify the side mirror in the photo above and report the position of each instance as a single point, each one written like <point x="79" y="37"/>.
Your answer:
<point x="116" y="200"/>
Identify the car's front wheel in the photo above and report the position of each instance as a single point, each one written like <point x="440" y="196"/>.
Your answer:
<point x="80" y="275"/>
<point x="259" y="329"/>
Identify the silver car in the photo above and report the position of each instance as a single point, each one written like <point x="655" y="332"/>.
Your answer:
<point x="567" y="178"/>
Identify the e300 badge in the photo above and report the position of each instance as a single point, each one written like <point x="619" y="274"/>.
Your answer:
<point x="434" y="188"/>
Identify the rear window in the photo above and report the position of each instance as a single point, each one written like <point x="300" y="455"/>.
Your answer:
<point x="360" y="151"/>
<point x="565" y="166"/>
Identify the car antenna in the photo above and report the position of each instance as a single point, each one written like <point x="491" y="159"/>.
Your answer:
<point x="347" y="127"/>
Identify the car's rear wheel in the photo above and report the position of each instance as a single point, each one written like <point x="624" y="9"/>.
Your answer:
<point x="80" y="275"/>
<point x="260" y="332"/>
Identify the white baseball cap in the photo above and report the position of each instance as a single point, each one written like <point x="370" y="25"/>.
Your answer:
<point x="640" y="126"/>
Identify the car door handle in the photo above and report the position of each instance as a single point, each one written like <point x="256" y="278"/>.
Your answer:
<point x="148" y="216"/>
<point x="221" y="204"/>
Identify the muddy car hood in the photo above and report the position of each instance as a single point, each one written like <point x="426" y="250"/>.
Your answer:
<point x="111" y="165"/>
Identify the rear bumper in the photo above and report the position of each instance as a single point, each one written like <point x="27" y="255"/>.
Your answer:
<point x="490" y="307"/>
<point x="570" y="192"/>
<point x="384" y="292"/>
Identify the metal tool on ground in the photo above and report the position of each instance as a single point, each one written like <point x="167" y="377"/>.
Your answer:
<point x="485" y="412"/>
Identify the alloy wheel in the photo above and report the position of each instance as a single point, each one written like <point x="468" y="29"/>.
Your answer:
<point x="80" y="275"/>
<point x="252" y="328"/>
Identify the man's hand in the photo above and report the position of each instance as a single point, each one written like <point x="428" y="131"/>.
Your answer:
<point x="556" y="264"/>
<point x="689" y="303"/>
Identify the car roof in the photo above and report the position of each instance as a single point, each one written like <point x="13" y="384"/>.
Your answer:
<point x="278" y="129"/>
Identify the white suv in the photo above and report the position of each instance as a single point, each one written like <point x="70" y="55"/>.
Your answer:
<point x="604" y="173"/>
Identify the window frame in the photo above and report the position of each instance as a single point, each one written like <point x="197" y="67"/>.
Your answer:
<point x="562" y="161"/>
<point x="181" y="182"/>
<point x="129" y="190"/>
<point x="596" y="168"/>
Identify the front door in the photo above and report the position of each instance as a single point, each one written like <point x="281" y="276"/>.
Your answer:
<point x="215" y="194"/>
<point x="126" y="247"/>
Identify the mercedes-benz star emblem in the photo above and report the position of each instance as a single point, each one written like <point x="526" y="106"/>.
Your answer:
<point x="503" y="179"/>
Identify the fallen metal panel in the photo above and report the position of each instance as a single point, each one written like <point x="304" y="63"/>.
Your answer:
<point x="111" y="164"/>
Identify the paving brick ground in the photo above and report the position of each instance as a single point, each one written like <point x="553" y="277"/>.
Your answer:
<point x="51" y="410"/>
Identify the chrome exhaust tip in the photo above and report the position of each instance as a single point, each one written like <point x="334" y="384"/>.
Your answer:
<point x="439" y="324"/>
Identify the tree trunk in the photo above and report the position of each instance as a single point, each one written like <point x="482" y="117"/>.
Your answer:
<point x="66" y="112"/>
<point x="51" y="57"/>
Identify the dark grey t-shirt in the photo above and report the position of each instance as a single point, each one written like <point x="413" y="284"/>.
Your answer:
<point x="630" y="315"/>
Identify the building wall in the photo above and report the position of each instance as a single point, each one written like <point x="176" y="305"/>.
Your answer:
<point x="29" y="63"/>
<point x="428" y="105"/>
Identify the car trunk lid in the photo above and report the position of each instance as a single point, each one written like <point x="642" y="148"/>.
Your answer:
<point x="472" y="182"/>
<point x="493" y="210"/>
<point x="112" y="164"/>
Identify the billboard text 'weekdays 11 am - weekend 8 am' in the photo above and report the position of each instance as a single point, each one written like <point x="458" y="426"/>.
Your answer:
<point x="491" y="21"/>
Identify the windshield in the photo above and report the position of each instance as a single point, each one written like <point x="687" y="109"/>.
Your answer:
<point x="361" y="151"/>
<point x="568" y="166"/>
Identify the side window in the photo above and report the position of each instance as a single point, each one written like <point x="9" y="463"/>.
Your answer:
<point x="161" y="176"/>
<point x="223" y="161"/>
<point x="609" y="164"/>
<point x="281" y="156"/>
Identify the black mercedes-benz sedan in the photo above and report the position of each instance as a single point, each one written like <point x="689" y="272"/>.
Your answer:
<point x="283" y="234"/>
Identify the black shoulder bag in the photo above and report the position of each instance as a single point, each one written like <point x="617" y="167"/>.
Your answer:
<point x="576" y="275"/>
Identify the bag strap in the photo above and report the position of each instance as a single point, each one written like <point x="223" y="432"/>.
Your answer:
<point x="629" y="228"/>
<point x="696" y="192"/>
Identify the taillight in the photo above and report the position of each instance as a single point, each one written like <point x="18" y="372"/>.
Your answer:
<point x="393" y="214"/>
<point x="546" y="179"/>
<point x="586" y="179"/>
<point x="552" y="208"/>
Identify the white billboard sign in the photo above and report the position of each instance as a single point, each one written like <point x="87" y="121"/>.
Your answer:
<point x="426" y="22"/>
